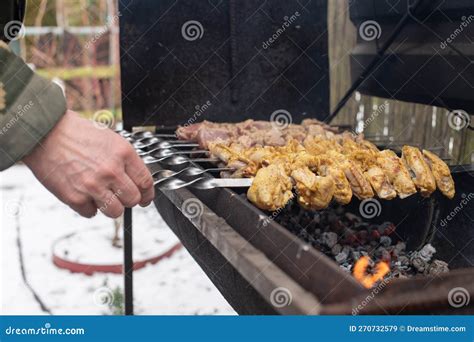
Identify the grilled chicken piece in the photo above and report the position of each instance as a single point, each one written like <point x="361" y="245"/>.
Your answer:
<point x="396" y="172"/>
<point x="302" y="159"/>
<point x="271" y="188"/>
<point x="342" y="191"/>
<point x="360" y="186"/>
<point x="364" y="153"/>
<point x="421" y="173"/>
<point x="222" y="151"/>
<point x="319" y="145"/>
<point x="314" y="192"/>
<point x="233" y="157"/>
<point x="327" y="166"/>
<point x="441" y="173"/>
<point x="380" y="183"/>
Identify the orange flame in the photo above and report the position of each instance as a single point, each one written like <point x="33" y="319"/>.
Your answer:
<point x="366" y="279"/>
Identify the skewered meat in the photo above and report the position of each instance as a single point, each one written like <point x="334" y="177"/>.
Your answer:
<point x="342" y="190"/>
<point x="380" y="183"/>
<point x="364" y="153"/>
<point x="423" y="178"/>
<point x="441" y="173"/>
<point x="251" y="133"/>
<point x="360" y="186"/>
<point x="271" y="188"/>
<point x="397" y="173"/>
<point x="322" y="165"/>
<point x="314" y="192"/>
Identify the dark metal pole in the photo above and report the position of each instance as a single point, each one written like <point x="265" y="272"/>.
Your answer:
<point x="128" y="261"/>
<point x="376" y="61"/>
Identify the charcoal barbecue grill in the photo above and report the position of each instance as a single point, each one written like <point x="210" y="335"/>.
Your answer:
<point x="248" y="257"/>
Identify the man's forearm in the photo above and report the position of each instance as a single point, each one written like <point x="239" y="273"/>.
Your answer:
<point x="32" y="107"/>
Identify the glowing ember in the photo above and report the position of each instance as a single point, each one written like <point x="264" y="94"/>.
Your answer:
<point x="369" y="279"/>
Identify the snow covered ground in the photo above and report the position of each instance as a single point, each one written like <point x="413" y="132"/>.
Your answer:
<point x="33" y="217"/>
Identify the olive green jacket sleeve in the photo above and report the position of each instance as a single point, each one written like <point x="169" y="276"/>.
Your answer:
<point x="30" y="106"/>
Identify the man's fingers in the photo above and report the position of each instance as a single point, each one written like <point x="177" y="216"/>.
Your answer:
<point x="86" y="208"/>
<point x="141" y="176"/>
<point x="109" y="204"/>
<point x="126" y="191"/>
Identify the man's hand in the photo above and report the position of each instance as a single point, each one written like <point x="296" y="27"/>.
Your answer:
<point x="90" y="168"/>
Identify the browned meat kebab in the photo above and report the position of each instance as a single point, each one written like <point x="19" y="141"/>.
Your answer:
<point x="252" y="133"/>
<point x="319" y="163"/>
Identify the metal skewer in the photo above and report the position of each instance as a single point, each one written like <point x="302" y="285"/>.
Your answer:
<point x="140" y="134"/>
<point x="145" y="134"/>
<point x="177" y="160"/>
<point x="158" y="152"/>
<point x="204" y="183"/>
<point x="158" y="143"/>
<point x="163" y="175"/>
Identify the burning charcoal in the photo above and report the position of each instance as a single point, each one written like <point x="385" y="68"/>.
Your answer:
<point x="323" y="229"/>
<point x="394" y="252"/>
<point x="303" y="234"/>
<point x="389" y="229"/>
<point x="382" y="253"/>
<point x="386" y="228"/>
<point x="336" y="249"/>
<point x="353" y="218"/>
<point x="362" y="236"/>
<point x="426" y="253"/>
<point x="329" y="239"/>
<point x="332" y="217"/>
<point x="385" y="241"/>
<point x="375" y="234"/>
<point x="341" y="257"/>
<point x="404" y="261"/>
<point x="400" y="246"/>
<point x="355" y="254"/>
<point x="418" y="263"/>
<point x="317" y="218"/>
<point x="337" y="226"/>
<point x="438" y="267"/>
<point x="386" y="256"/>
